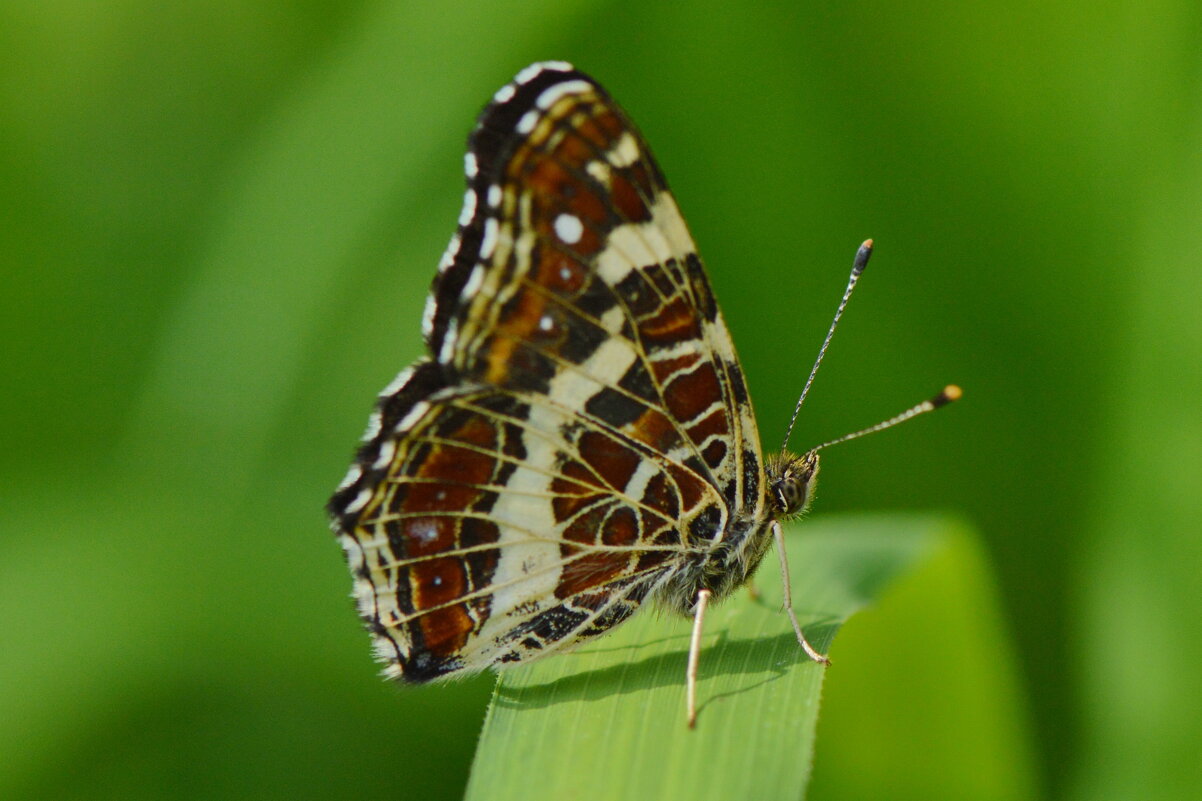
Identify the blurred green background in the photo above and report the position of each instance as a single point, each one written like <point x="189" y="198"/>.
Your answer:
<point x="218" y="221"/>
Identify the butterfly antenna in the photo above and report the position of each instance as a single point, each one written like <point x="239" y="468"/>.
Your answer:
<point x="950" y="393"/>
<point x="857" y="268"/>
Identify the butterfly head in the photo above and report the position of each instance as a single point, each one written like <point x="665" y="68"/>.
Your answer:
<point x="791" y="482"/>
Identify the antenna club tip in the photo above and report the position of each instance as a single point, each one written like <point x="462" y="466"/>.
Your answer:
<point x="949" y="394"/>
<point x="862" y="256"/>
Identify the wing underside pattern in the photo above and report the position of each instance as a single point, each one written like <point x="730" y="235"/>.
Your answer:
<point x="582" y="427"/>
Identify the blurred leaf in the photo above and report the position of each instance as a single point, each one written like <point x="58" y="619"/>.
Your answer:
<point x="1140" y="582"/>
<point x="607" y="720"/>
<point x="325" y="182"/>
<point x="926" y="703"/>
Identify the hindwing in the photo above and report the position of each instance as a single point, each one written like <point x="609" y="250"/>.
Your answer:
<point x="499" y="526"/>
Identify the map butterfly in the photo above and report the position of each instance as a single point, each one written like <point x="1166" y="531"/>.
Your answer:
<point x="579" y="441"/>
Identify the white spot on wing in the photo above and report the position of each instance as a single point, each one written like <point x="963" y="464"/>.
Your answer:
<point x="423" y="530"/>
<point x="373" y="427"/>
<point x="395" y="384"/>
<point x="448" y="342"/>
<point x="469" y="207"/>
<point x="351" y="476"/>
<point x="569" y="228"/>
<point x="428" y="316"/>
<point x="625" y="152"/>
<point x="354" y="554"/>
<point x="530" y="73"/>
<point x="448" y="255"/>
<point x="599" y="170"/>
<point x="556" y="91"/>
<point x="526" y="123"/>
<point x="490" y="238"/>
<point x="416" y="413"/>
<point x="473" y="283"/>
<point x="505" y="93"/>
<point x="470" y="167"/>
<point x="494" y="196"/>
<point x="360" y="501"/>
<point x="387" y="451"/>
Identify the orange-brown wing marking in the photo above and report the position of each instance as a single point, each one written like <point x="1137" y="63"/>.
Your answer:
<point x="481" y="520"/>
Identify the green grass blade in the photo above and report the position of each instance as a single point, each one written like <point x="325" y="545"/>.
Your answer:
<point x="607" y="720"/>
<point x="925" y="702"/>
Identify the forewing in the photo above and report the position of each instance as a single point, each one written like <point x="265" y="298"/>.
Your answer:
<point x="574" y="275"/>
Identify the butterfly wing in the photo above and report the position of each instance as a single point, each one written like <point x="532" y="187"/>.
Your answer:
<point x="482" y="532"/>
<point x="582" y="431"/>
<point x="573" y="257"/>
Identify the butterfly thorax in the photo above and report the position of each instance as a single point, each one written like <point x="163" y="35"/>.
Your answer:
<point x="720" y="568"/>
<point x="739" y="548"/>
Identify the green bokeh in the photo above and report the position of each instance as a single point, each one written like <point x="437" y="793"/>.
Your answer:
<point x="217" y="224"/>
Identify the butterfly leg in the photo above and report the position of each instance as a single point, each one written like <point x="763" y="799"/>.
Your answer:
<point x="753" y="591"/>
<point x="779" y="536"/>
<point x="703" y="597"/>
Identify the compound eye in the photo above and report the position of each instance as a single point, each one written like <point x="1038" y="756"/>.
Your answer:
<point x="789" y="490"/>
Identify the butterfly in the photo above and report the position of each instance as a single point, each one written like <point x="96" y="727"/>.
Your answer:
<point x="579" y="440"/>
